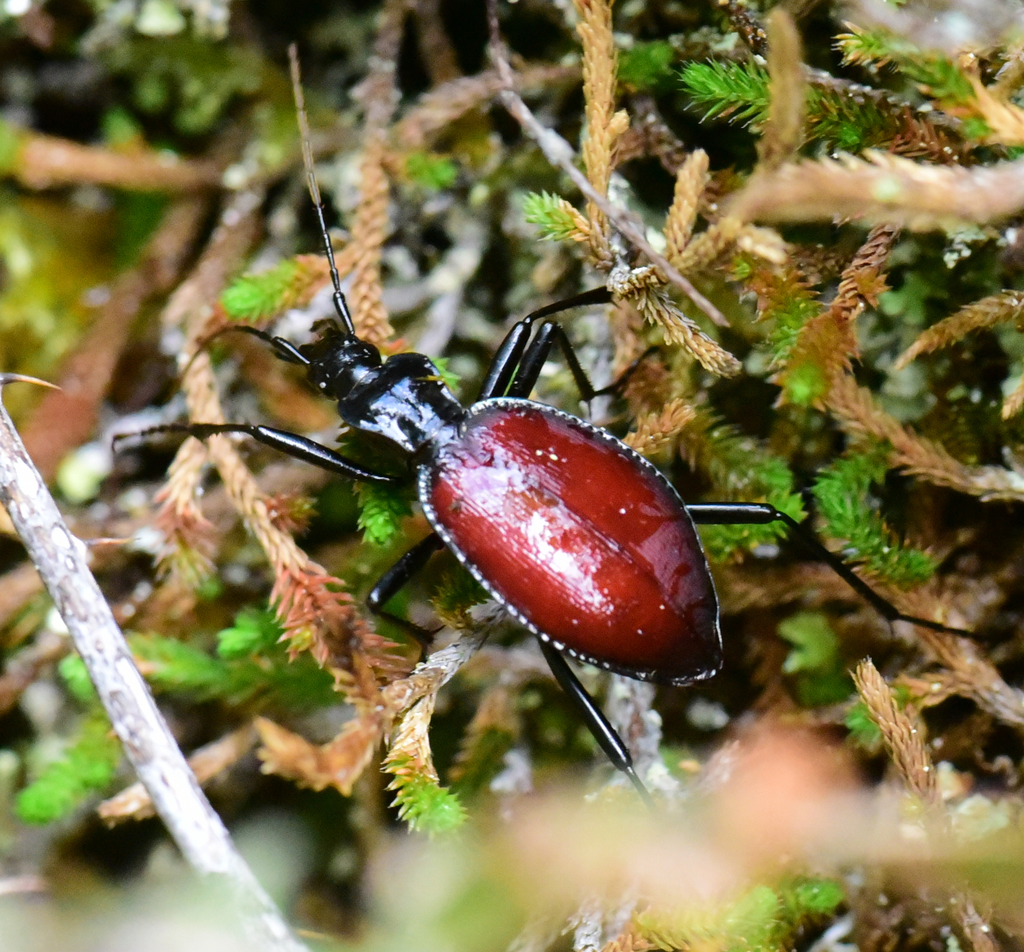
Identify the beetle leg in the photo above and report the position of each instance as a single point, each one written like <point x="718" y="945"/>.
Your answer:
<point x="746" y="513"/>
<point x="507" y="362"/>
<point x="534" y="357"/>
<point x="530" y="366"/>
<point x="298" y="447"/>
<point x="617" y="386"/>
<point x="395" y="577"/>
<point x="606" y="736"/>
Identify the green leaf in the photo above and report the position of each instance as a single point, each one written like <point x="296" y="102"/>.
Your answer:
<point x="819" y="672"/>
<point x="862" y="727"/>
<point x="255" y="296"/>
<point x="808" y="896"/>
<point x="255" y="631"/>
<point x="450" y="378"/>
<point x="815" y="644"/>
<point x="72" y="669"/>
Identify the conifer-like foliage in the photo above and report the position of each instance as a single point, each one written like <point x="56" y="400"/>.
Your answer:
<point x="807" y="220"/>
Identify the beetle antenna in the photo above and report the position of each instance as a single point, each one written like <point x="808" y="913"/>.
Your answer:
<point x="340" y="304"/>
<point x="285" y="349"/>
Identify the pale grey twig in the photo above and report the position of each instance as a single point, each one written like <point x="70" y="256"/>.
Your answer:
<point x="60" y="558"/>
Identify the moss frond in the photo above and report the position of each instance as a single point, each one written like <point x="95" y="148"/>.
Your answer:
<point x="739" y="471"/>
<point x="937" y="75"/>
<point x="764" y="918"/>
<point x="647" y="66"/>
<point x="841" y="491"/>
<point x="738" y="92"/>
<point x="266" y="675"/>
<point x="456" y="595"/>
<point x="556" y="218"/>
<point x="253" y="297"/>
<point x="381" y="511"/>
<point x="431" y="172"/>
<point x="86" y="767"/>
<point x="421" y="801"/>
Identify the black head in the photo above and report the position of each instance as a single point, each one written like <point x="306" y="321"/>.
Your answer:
<point x="338" y="360"/>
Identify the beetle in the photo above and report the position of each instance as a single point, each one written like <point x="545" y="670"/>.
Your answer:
<point x="581" y="539"/>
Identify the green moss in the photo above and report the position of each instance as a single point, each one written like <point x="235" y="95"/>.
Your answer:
<point x="86" y="767"/>
<point x="381" y="511"/>
<point x="842" y="491"/>
<point x="432" y="172"/>
<point x="647" y="67"/>
<point x="253" y="297"/>
<point x="546" y="211"/>
<point x="423" y="803"/>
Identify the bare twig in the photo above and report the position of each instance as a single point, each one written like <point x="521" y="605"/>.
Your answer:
<point x="148" y="742"/>
<point x="560" y="154"/>
<point x="209" y="761"/>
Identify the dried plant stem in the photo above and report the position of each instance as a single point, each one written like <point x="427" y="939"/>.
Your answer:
<point x="903" y="738"/>
<point x="311" y="613"/>
<point x="435" y="110"/>
<point x="882" y="188"/>
<point x="560" y="154"/>
<point x="148" y="742"/>
<point x="190" y="308"/>
<point x="783" y="133"/>
<point x="599" y="73"/>
<point x="436" y="50"/>
<point x="47" y="161"/>
<point x="973" y="675"/>
<point x="857" y="411"/>
<point x="827" y="341"/>
<point x="380" y="97"/>
<point x="682" y="215"/>
<point x="657" y="429"/>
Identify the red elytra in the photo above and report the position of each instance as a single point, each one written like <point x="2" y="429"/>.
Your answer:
<point x="585" y="542"/>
